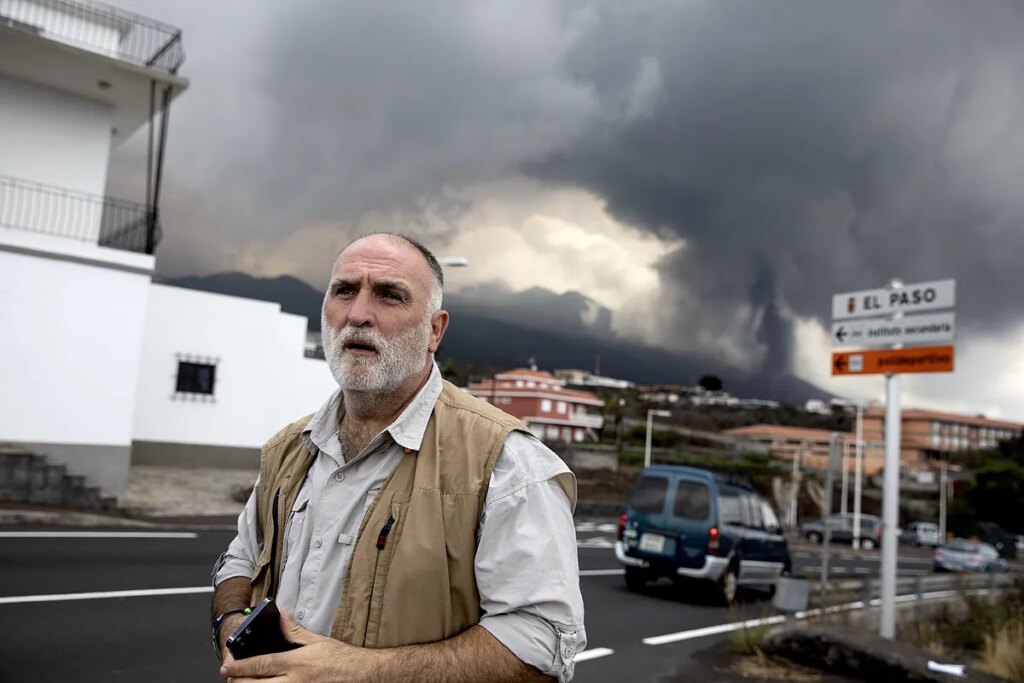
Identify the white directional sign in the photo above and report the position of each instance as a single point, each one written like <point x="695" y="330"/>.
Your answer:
<point x="923" y="296"/>
<point x="915" y="329"/>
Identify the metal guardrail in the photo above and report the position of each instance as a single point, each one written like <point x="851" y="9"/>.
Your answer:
<point x="58" y="211"/>
<point x="908" y="588"/>
<point x="99" y="28"/>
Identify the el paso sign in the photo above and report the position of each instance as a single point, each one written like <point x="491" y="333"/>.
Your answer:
<point x="885" y="317"/>
<point x="869" y="303"/>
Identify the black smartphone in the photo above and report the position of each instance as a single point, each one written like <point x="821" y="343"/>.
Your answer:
<point x="260" y="633"/>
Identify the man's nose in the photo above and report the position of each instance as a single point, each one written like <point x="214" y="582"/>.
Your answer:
<point x="360" y="314"/>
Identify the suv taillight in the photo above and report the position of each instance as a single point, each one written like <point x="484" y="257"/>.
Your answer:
<point x="622" y="526"/>
<point x="713" y="544"/>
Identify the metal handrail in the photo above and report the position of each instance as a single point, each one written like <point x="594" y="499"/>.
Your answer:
<point x="139" y="40"/>
<point x="61" y="212"/>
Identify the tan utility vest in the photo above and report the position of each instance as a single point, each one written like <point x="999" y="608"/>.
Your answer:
<point x="411" y="576"/>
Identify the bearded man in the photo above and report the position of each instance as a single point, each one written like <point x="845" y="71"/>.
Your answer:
<point x="407" y="530"/>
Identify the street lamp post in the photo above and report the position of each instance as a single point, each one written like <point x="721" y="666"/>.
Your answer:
<point x="845" y="474"/>
<point x="650" y="422"/>
<point x="858" y="467"/>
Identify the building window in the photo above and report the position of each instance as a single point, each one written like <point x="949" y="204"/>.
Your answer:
<point x="195" y="378"/>
<point x="579" y="435"/>
<point x="553" y="433"/>
<point x="519" y="383"/>
<point x="530" y="384"/>
<point x="561" y="407"/>
<point x="545" y="405"/>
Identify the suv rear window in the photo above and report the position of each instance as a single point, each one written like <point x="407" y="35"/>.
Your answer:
<point x="691" y="500"/>
<point x="729" y="511"/>
<point x="649" y="494"/>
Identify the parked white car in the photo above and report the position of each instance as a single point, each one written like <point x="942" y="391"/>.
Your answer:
<point x="920" y="533"/>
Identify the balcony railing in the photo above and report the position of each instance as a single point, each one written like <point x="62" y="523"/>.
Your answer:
<point x="99" y="28"/>
<point x="57" y="211"/>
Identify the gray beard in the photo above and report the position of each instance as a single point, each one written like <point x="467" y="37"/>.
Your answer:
<point x="397" y="359"/>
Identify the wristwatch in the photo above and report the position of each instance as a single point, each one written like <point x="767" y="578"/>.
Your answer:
<point x="219" y="620"/>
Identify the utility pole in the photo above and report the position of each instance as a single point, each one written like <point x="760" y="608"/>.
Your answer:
<point x="845" y="478"/>
<point x="836" y="449"/>
<point x="943" y="485"/>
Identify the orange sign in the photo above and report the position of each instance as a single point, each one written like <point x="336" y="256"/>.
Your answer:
<point x="897" y="361"/>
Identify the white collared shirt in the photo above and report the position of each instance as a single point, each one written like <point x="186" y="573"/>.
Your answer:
<point x="527" y="568"/>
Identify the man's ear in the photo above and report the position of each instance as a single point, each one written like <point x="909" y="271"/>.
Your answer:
<point x="438" y="326"/>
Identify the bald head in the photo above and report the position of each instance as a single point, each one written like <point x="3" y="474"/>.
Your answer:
<point x="427" y="257"/>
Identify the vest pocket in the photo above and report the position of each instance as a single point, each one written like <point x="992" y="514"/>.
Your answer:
<point x="386" y="538"/>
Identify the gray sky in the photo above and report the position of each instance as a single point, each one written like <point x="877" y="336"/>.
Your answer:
<point x="711" y="172"/>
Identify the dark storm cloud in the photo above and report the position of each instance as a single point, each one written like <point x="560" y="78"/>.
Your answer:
<point x="800" y="147"/>
<point x="804" y="148"/>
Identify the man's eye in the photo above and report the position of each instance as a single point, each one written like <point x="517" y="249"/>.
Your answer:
<point x="392" y="296"/>
<point x="343" y="290"/>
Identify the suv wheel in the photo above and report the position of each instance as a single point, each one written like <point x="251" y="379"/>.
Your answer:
<point x="636" y="578"/>
<point x="867" y="543"/>
<point x="814" y="537"/>
<point x="730" y="585"/>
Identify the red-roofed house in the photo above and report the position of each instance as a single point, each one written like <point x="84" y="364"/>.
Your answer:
<point x="540" y="399"/>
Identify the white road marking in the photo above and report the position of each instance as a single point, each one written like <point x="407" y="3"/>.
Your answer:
<point x="97" y="534"/>
<point x="601" y="572"/>
<point x="594" y="526"/>
<point x="595" y="543"/>
<point x="61" y="597"/>
<point x="593" y="654"/>
<point x="711" y="630"/>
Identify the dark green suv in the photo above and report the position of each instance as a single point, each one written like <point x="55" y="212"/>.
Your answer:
<point x="687" y="523"/>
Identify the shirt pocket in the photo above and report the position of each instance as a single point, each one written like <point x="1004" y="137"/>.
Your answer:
<point x="296" y="523"/>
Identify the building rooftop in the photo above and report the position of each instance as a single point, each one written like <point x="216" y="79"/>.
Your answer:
<point x="941" y="416"/>
<point x="766" y="431"/>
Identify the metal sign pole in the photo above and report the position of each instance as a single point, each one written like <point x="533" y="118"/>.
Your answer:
<point x="890" y="500"/>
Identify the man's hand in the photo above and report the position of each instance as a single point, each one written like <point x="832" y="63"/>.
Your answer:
<point x="319" y="659"/>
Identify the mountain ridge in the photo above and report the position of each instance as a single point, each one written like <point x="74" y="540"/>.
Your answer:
<point x="481" y="334"/>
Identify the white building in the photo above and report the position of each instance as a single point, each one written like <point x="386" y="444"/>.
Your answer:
<point x="97" y="364"/>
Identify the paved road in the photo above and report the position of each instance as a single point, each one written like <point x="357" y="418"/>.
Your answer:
<point x="53" y="633"/>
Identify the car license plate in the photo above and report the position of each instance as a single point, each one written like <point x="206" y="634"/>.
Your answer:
<point x="652" y="543"/>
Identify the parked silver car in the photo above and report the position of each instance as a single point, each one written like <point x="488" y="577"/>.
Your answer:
<point x="920" y="533"/>
<point x="841" y="530"/>
<point x="962" y="555"/>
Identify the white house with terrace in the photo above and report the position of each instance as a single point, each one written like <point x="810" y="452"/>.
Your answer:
<point x="99" y="366"/>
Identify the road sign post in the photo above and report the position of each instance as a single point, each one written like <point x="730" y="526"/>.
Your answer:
<point x="890" y="505"/>
<point x="895" y="330"/>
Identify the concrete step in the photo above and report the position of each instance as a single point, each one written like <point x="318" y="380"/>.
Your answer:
<point x="27" y="477"/>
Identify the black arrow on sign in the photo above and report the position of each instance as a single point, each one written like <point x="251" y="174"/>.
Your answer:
<point x="841" y="334"/>
<point x="840" y="363"/>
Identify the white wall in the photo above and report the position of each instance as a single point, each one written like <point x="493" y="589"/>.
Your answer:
<point x="263" y="380"/>
<point x="47" y="136"/>
<point x="70" y="343"/>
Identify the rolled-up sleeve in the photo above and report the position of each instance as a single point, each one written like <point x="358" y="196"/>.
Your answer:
<point x="240" y="557"/>
<point x="527" y="567"/>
